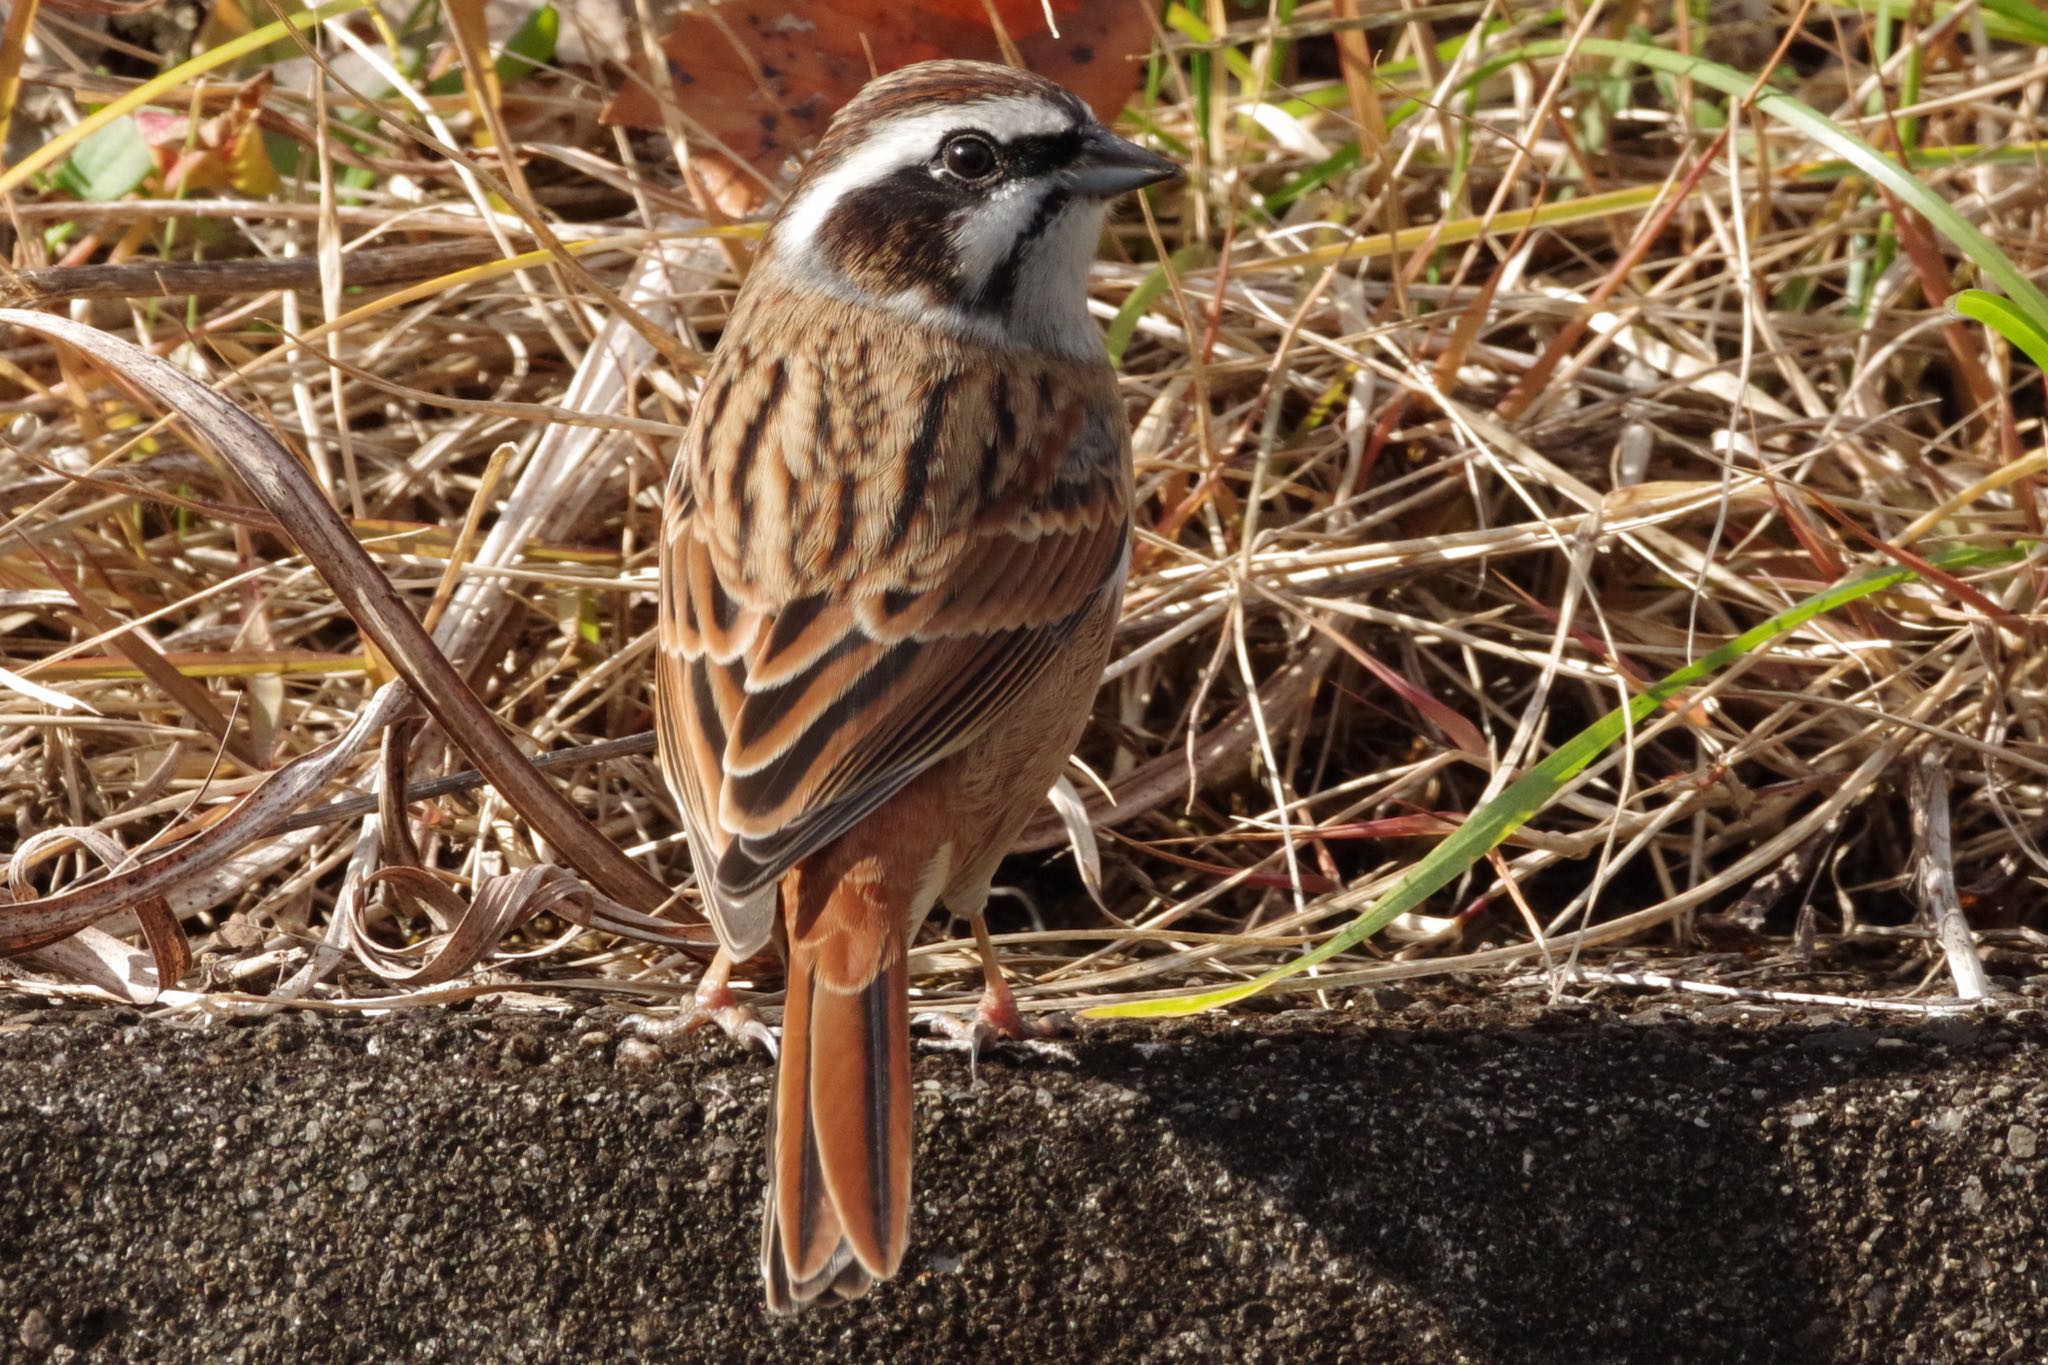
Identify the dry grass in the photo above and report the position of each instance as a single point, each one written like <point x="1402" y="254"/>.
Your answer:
<point x="1454" y="424"/>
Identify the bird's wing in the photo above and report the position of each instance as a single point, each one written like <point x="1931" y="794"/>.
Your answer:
<point x="788" y="717"/>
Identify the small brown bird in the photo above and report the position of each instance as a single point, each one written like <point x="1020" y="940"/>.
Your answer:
<point x="893" y="550"/>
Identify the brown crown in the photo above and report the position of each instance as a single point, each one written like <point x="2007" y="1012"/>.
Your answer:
<point x="932" y="85"/>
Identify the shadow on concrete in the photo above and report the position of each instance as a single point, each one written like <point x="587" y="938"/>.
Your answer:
<point x="1433" y="1184"/>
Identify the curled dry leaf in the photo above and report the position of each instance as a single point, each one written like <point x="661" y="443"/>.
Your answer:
<point x="286" y="491"/>
<point x="98" y="959"/>
<point x="104" y="965"/>
<point x="763" y="77"/>
<point x="27" y="924"/>
<point x="223" y="152"/>
<point x="502" y="904"/>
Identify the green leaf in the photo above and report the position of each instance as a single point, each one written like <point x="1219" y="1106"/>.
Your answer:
<point x="107" y="164"/>
<point x="177" y="78"/>
<point x="2027" y="22"/>
<point x="1335" y="164"/>
<point x="2009" y="322"/>
<point x="530" y="47"/>
<point x="1125" y="324"/>
<point x="1490" y="825"/>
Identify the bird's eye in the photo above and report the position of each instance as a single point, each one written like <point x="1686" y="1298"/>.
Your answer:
<point x="969" y="156"/>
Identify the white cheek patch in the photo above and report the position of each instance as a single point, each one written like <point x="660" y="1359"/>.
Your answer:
<point x="983" y="239"/>
<point x="1049" y="309"/>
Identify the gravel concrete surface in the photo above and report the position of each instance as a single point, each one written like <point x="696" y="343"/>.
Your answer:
<point x="1444" y="1177"/>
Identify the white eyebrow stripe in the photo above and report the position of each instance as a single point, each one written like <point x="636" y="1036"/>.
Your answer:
<point x="909" y="142"/>
<point x="1010" y="118"/>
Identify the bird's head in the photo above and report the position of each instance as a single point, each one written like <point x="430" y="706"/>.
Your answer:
<point x="965" y="196"/>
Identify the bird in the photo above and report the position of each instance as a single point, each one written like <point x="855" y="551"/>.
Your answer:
<point x="893" y="551"/>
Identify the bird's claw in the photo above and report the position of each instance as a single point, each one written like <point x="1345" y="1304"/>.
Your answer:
<point x="713" y="1003"/>
<point x="970" y="1033"/>
<point x="737" y="1022"/>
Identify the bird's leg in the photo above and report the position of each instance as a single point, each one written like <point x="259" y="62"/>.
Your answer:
<point x="996" y="1018"/>
<point x="712" y="1003"/>
<point x="998" y="1011"/>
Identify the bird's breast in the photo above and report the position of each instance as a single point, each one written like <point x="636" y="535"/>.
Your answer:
<point x="834" y="448"/>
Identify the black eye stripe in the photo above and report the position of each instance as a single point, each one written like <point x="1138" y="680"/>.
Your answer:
<point x="1040" y="153"/>
<point x="1020" y="158"/>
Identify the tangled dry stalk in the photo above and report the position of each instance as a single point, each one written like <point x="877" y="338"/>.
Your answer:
<point x="1469" y="397"/>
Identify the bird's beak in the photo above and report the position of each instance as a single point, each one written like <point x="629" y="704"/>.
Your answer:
<point x="1109" y="166"/>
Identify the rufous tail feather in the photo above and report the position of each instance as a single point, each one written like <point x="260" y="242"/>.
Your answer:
<point x="839" y="1146"/>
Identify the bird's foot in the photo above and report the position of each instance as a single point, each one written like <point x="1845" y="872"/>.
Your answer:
<point x="713" y="1003"/>
<point x="997" y="1020"/>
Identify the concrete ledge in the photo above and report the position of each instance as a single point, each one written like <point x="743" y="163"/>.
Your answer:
<point x="1422" y="1184"/>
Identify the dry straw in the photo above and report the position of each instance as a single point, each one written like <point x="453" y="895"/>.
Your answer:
<point x="1495" y="368"/>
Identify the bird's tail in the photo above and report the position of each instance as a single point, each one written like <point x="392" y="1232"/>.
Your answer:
<point x="839" y="1144"/>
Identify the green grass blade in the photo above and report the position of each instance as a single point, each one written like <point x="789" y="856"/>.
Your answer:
<point x="1183" y="21"/>
<point x="1125" y="324"/>
<point x="1330" y="167"/>
<point x="1490" y="826"/>
<point x="2026" y="153"/>
<point x="2009" y="322"/>
<point x="2013" y="21"/>
<point x="2024" y="20"/>
<point x="1804" y="117"/>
